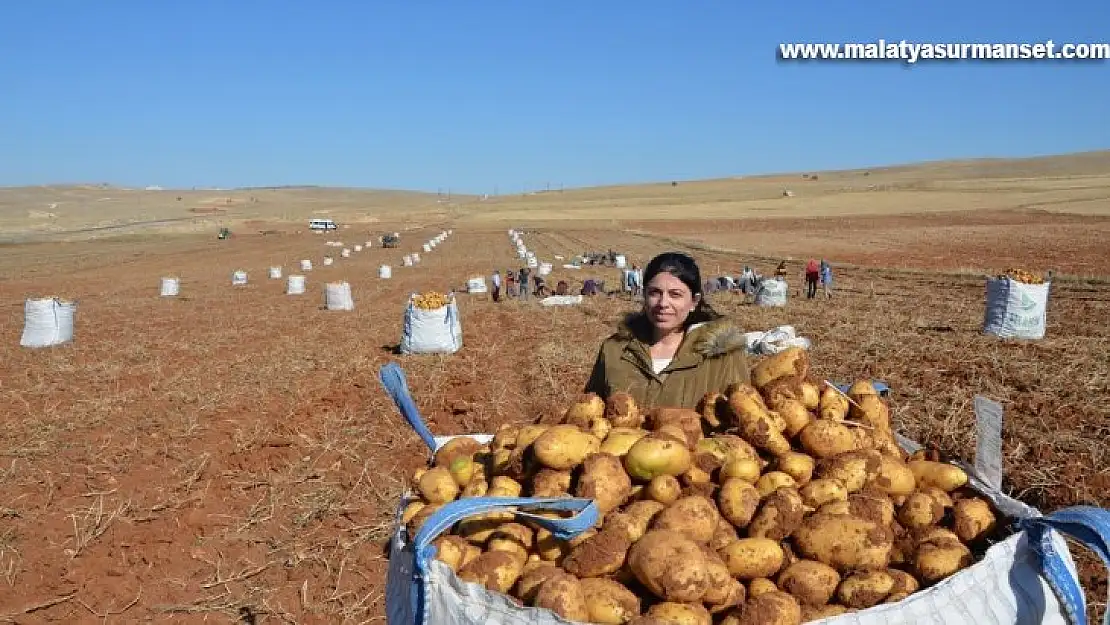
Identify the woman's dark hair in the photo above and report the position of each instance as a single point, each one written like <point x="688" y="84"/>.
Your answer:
<point x="685" y="269"/>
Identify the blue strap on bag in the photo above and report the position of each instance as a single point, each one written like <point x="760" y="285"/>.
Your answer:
<point x="585" y="511"/>
<point x="1087" y="525"/>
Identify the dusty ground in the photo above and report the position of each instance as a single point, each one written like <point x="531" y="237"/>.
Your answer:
<point x="229" y="454"/>
<point x="232" y="451"/>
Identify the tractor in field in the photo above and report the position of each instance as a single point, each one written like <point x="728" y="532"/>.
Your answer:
<point x="225" y="233"/>
<point x="390" y="240"/>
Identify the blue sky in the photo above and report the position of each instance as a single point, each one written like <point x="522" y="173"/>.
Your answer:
<point x="508" y="95"/>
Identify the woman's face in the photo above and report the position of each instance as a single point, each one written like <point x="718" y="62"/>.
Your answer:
<point x="667" y="302"/>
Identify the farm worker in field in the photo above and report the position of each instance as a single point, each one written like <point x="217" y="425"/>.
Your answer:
<point x="637" y="281"/>
<point x="780" y="271"/>
<point x="826" y="278"/>
<point x="812" y="275"/>
<point x="541" y="287"/>
<point x="524" y="272"/>
<point x="676" y="348"/>
<point x="510" y="283"/>
<point x="496" y="279"/>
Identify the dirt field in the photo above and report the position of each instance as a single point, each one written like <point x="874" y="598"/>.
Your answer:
<point x="230" y="455"/>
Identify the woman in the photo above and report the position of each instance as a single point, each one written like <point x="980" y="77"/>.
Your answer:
<point x="676" y="349"/>
<point x="826" y="278"/>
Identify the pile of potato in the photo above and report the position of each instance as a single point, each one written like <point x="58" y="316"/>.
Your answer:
<point x="778" y="502"/>
<point x="1022" y="275"/>
<point x="431" y="300"/>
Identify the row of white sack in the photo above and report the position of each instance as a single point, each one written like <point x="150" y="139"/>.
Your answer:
<point x="1027" y="578"/>
<point x="1013" y="309"/>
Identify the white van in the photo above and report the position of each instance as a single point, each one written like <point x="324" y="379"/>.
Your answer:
<point x="322" y="224"/>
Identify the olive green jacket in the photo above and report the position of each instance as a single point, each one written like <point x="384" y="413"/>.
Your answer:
<point x="710" y="358"/>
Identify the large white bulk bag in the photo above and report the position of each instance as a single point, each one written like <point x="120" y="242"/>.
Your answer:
<point x="306" y="265"/>
<point x="476" y="285"/>
<point x="328" y="260"/>
<point x="406" y="260"/>
<point x="1028" y="578"/>
<point x="358" y="248"/>
<point x="1015" y="309"/>
<point x="545" y="269"/>
<point x="771" y="292"/>
<point x="385" y="272"/>
<point x="295" y="285"/>
<point x="346" y="253"/>
<point x="337" y="296"/>
<point x="47" y="322"/>
<point x="369" y="244"/>
<point x="532" y="262"/>
<point x="621" y="261"/>
<point x="427" y="248"/>
<point x="415" y="257"/>
<point x="239" y="278"/>
<point x="437" y="331"/>
<point x="275" y="273"/>
<point x="170" y="287"/>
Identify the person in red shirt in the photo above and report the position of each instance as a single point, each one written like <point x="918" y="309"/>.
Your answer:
<point x="812" y="275"/>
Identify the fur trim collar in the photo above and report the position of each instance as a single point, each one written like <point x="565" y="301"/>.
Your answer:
<point x="709" y="340"/>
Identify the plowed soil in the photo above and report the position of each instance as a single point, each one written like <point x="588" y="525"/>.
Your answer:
<point x="229" y="454"/>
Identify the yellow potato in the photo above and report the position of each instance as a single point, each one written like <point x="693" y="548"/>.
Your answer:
<point x="772" y="608"/>
<point x="822" y="491"/>
<point x="680" y="613"/>
<point x="505" y="437"/>
<point x="621" y="410"/>
<point x="688" y="421"/>
<point x="620" y="440"/>
<point x="832" y="405"/>
<point x="609" y="602"/>
<point x="635" y="518"/>
<point x="601" y="554"/>
<point x="410" y="511"/>
<point x="563" y="595"/>
<point x="712" y="407"/>
<point x="809" y="581"/>
<point x="512" y="538"/>
<point x="656" y="454"/>
<point x="724" y="591"/>
<point x="496" y="570"/>
<point x="972" y="518"/>
<point x="759" y="426"/>
<point x="793" y="361"/>
<point x="904" y="585"/>
<point x="693" y="516"/>
<point x="797" y="465"/>
<point x="816" y="613"/>
<point x="527" y="434"/>
<point x="725" y="534"/>
<point x="749" y="558"/>
<point x="940" y="475"/>
<point x="727" y="448"/>
<point x="920" y="510"/>
<point x="551" y="483"/>
<point x="534" y="575"/>
<point x="603" y="479"/>
<point x="844" y="542"/>
<point x="587" y="407"/>
<point x="738" y="501"/>
<point x="761" y="586"/>
<point x="564" y="446"/>
<point x="825" y="439"/>
<point x="437" y="485"/>
<point x="773" y="480"/>
<point x="746" y="469"/>
<point x="794" y="414"/>
<point x="780" y="514"/>
<point x="936" y="560"/>
<point x="865" y="589"/>
<point x="670" y="565"/>
<point x="460" y="446"/>
<point x="893" y="477"/>
<point x="451" y="550"/>
<point x="852" y="469"/>
<point x="811" y="395"/>
<point x="502" y="486"/>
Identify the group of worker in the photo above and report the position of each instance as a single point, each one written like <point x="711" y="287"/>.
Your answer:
<point x="517" y="284"/>
<point x="815" y="273"/>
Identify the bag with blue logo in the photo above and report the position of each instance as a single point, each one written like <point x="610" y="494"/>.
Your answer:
<point x="1015" y="310"/>
<point x="435" y="331"/>
<point x="1027" y="578"/>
